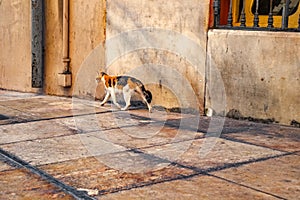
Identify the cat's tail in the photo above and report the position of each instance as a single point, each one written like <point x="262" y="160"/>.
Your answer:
<point x="147" y="94"/>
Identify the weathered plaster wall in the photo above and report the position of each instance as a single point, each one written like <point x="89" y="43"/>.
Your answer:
<point x="53" y="45"/>
<point x="15" y="37"/>
<point x="87" y="32"/>
<point x="161" y="43"/>
<point x="260" y="72"/>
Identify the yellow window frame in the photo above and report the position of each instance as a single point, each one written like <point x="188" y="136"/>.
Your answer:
<point x="263" y="19"/>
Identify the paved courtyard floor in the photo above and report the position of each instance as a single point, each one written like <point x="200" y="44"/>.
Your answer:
<point x="67" y="148"/>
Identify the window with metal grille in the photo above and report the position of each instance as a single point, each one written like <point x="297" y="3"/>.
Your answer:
<point x="256" y="14"/>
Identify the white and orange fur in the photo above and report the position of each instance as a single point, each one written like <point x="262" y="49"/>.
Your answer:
<point x="126" y="85"/>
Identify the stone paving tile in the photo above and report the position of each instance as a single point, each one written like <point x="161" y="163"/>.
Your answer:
<point x="6" y="95"/>
<point x="4" y="166"/>
<point x="42" y="107"/>
<point x="242" y="126"/>
<point x="199" y="187"/>
<point x="21" y="184"/>
<point x="58" y="149"/>
<point x="35" y="130"/>
<point x="279" y="176"/>
<point x="13" y="115"/>
<point x="95" y="122"/>
<point x="273" y="136"/>
<point x="210" y="152"/>
<point x="145" y="136"/>
<point x="278" y="130"/>
<point x="289" y="143"/>
<point x="130" y="130"/>
<point x="123" y="119"/>
<point x="159" y="114"/>
<point x="238" y="126"/>
<point x="114" y="172"/>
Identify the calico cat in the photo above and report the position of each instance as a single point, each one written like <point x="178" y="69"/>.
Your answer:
<point x="126" y="85"/>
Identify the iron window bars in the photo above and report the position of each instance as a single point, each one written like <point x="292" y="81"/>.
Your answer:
<point x="246" y="14"/>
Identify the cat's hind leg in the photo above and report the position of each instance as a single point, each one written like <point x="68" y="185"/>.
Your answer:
<point x="140" y="92"/>
<point x="127" y="97"/>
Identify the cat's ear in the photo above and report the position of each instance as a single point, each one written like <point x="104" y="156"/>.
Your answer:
<point x="102" y="73"/>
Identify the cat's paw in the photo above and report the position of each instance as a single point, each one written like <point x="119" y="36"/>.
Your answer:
<point x="123" y="109"/>
<point x="102" y="104"/>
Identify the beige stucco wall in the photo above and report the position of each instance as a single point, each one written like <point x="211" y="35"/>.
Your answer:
<point x="260" y="72"/>
<point x="87" y="33"/>
<point x="161" y="43"/>
<point x="15" y="53"/>
<point x="165" y="46"/>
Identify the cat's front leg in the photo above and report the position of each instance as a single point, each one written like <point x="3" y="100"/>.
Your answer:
<point x="113" y="97"/>
<point x="105" y="98"/>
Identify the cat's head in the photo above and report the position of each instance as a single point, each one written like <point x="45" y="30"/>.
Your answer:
<point x="100" y="75"/>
